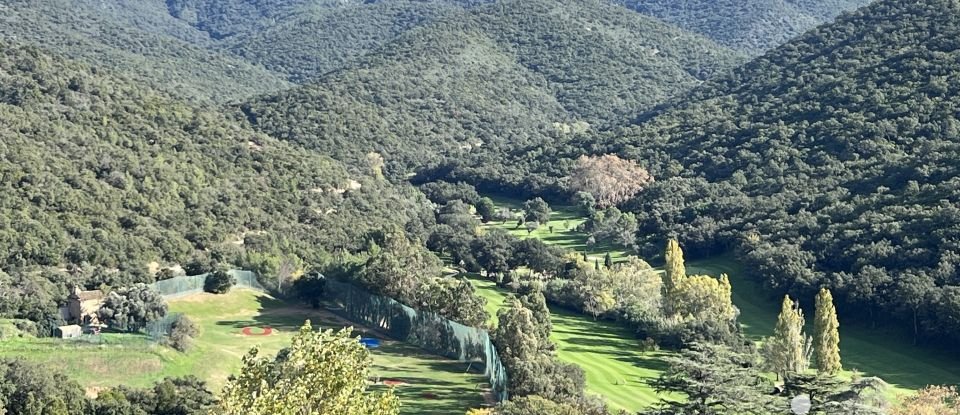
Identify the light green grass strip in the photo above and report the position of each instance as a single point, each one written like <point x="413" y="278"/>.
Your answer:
<point x="886" y="353"/>
<point x="133" y="360"/>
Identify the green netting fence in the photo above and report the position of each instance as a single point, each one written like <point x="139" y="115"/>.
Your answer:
<point x="429" y="331"/>
<point x="160" y="329"/>
<point x="187" y="285"/>
<point x="193" y="284"/>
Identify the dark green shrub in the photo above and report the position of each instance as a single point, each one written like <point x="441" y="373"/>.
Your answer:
<point x="219" y="282"/>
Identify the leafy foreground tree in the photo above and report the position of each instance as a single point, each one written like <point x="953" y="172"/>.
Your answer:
<point x="320" y="373"/>
<point x="932" y="400"/>
<point x="29" y="389"/>
<point x="171" y="396"/>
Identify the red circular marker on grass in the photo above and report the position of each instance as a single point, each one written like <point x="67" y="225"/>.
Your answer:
<point x="265" y="331"/>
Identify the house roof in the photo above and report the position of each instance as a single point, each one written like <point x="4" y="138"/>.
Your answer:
<point x="88" y="295"/>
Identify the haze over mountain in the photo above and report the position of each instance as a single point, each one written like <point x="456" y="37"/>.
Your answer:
<point x="141" y="39"/>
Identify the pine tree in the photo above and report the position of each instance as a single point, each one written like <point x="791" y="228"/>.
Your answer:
<point x="826" y="335"/>
<point x="787" y="349"/>
<point x="674" y="273"/>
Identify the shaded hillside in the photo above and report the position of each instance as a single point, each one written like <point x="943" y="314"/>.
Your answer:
<point x="482" y="83"/>
<point x="136" y="38"/>
<point x="830" y="161"/>
<point x="317" y="40"/>
<point x="221" y="19"/>
<point x="751" y="26"/>
<point x="97" y="169"/>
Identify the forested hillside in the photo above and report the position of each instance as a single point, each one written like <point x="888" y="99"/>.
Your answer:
<point x="97" y="169"/>
<point x="752" y="26"/>
<point x="828" y="162"/>
<point x="140" y="39"/>
<point x="481" y="83"/>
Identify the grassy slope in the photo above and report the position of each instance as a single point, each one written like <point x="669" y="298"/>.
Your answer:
<point x="564" y="220"/>
<point x="134" y="361"/>
<point x="875" y="352"/>
<point x="608" y="352"/>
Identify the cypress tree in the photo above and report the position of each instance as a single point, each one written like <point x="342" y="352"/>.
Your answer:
<point x="726" y="296"/>
<point x="826" y="335"/>
<point x="674" y="273"/>
<point x="787" y="349"/>
<point x="608" y="261"/>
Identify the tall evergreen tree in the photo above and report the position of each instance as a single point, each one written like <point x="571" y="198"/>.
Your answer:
<point x="787" y="351"/>
<point x="674" y="273"/>
<point x="826" y="334"/>
<point x="715" y="380"/>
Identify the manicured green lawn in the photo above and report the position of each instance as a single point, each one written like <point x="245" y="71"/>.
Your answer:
<point x="879" y="352"/>
<point x="608" y="353"/>
<point x="888" y="354"/>
<point x="135" y="361"/>
<point x="564" y="220"/>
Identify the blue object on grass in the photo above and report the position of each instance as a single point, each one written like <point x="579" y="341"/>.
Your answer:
<point x="370" y="342"/>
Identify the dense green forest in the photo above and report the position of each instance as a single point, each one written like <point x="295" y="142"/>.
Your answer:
<point x="140" y="39"/>
<point x="752" y="26"/>
<point x="491" y="80"/>
<point x="828" y="162"/>
<point x="343" y="35"/>
<point x="355" y="137"/>
<point x="97" y="170"/>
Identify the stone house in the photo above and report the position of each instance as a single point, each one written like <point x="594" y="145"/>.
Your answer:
<point x="82" y="306"/>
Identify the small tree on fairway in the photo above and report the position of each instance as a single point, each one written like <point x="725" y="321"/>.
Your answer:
<point x="486" y="209"/>
<point x="503" y="215"/>
<point x="826" y="335"/>
<point x="608" y="261"/>
<point x="585" y="203"/>
<point x="536" y="210"/>
<point x="531" y="226"/>
<point x="321" y="373"/>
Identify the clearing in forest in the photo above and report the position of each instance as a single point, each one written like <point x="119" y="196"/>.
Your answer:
<point x="426" y="384"/>
<point x="871" y="351"/>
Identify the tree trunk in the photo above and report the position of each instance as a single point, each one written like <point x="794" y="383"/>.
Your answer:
<point x="916" y="330"/>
